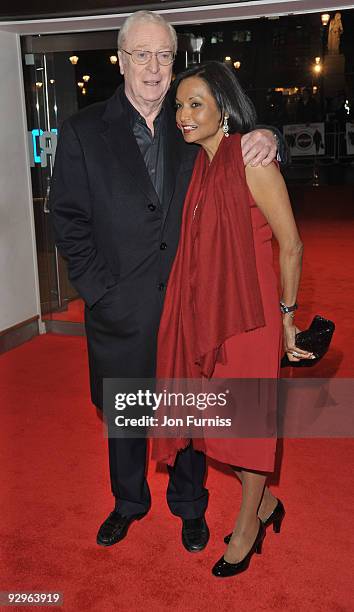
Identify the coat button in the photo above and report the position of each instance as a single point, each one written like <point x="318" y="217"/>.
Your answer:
<point x="161" y="286"/>
<point x="152" y="207"/>
<point x="163" y="246"/>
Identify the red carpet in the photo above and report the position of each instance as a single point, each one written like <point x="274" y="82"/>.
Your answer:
<point x="55" y="485"/>
<point x="74" y="313"/>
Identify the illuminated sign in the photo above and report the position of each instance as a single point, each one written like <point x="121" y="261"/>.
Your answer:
<point x="305" y="139"/>
<point x="41" y="144"/>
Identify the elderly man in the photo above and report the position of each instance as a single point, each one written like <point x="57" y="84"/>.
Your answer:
<point x="121" y="174"/>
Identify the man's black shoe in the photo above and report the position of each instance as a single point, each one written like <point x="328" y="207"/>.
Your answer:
<point x="195" y="534"/>
<point x="115" y="528"/>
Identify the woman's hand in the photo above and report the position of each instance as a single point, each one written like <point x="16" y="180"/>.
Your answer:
<point x="293" y="352"/>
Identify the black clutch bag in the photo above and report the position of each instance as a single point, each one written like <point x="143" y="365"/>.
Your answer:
<point x="316" y="339"/>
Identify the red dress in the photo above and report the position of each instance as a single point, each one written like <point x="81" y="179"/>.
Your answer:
<point x="254" y="353"/>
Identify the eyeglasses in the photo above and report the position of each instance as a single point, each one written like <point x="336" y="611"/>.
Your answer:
<point x="143" y="57"/>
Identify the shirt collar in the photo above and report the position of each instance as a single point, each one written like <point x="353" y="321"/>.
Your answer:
<point x="134" y="115"/>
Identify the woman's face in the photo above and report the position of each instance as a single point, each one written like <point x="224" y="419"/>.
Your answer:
<point x="197" y="115"/>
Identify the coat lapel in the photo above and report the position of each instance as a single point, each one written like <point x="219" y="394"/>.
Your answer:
<point x="176" y="150"/>
<point x="120" y="139"/>
<point x="172" y="155"/>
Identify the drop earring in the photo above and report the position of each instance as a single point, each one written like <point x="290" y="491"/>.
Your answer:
<point x="225" y="126"/>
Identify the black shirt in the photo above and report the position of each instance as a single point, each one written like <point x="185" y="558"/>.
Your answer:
<point x="152" y="147"/>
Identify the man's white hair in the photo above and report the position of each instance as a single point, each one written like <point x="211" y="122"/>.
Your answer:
<point x="146" y="17"/>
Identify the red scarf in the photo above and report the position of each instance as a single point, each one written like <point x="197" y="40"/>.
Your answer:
<point x="213" y="291"/>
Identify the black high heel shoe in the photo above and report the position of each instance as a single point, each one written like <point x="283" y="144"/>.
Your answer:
<point x="275" y="518"/>
<point x="223" y="569"/>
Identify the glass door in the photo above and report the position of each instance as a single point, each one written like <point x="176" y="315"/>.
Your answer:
<point x="50" y="88"/>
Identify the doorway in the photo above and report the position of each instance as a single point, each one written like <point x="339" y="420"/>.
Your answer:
<point x="57" y="72"/>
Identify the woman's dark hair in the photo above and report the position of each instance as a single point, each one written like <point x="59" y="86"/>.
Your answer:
<point x="227" y="92"/>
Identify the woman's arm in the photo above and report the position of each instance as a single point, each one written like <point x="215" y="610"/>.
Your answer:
<point x="271" y="196"/>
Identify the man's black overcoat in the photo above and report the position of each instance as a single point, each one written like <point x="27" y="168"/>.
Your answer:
<point x="118" y="238"/>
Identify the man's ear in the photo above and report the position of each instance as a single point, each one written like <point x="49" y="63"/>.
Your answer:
<point x="121" y="63"/>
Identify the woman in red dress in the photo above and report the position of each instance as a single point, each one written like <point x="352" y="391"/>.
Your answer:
<point x="222" y="317"/>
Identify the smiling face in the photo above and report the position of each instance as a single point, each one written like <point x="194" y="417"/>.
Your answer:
<point x="146" y="84"/>
<point x="198" y="115"/>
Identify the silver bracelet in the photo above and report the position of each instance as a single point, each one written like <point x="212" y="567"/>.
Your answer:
<point x="288" y="309"/>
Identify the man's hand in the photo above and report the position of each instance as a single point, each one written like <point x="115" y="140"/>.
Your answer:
<point x="258" y="147"/>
